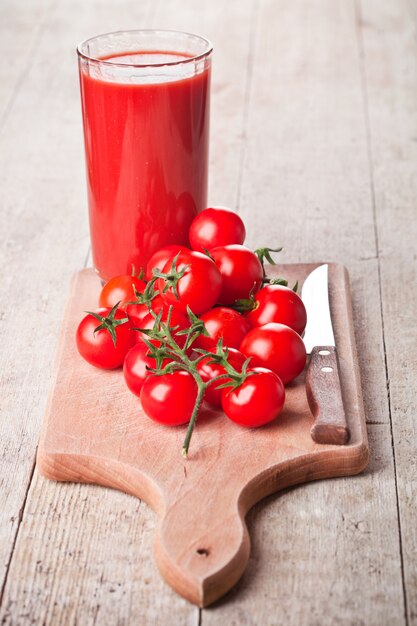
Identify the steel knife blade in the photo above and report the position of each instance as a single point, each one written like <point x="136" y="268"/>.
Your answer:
<point x="323" y="386"/>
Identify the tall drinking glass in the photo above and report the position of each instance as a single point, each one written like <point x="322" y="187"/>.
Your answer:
<point x="145" y="100"/>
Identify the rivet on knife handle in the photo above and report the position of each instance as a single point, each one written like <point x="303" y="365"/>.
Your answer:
<point x="324" y="394"/>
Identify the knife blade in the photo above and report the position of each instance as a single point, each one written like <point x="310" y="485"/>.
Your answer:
<point x="323" y="387"/>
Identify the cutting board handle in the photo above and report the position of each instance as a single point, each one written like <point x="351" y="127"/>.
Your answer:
<point x="202" y="554"/>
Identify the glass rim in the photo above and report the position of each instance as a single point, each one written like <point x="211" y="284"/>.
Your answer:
<point x="191" y="59"/>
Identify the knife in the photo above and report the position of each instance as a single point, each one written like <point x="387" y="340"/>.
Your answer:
<point x="324" y="392"/>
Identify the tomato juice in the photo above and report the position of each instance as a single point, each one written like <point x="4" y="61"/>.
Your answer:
<point x="146" y="132"/>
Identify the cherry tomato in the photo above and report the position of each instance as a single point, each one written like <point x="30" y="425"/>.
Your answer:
<point x="257" y="401"/>
<point x="120" y="289"/>
<point x="276" y="347"/>
<point x="177" y="321"/>
<point x="97" y="347"/>
<point x="170" y="398"/>
<point x="208" y="371"/>
<point x="135" y="367"/>
<point x="199" y="287"/>
<point x="276" y="303"/>
<point x="241" y="272"/>
<point x="216" y="226"/>
<point x="161" y="257"/>
<point x="137" y="312"/>
<point x="223" y="323"/>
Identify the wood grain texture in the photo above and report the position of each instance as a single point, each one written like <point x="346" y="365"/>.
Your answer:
<point x="57" y="205"/>
<point x="101" y="435"/>
<point x="305" y="183"/>
<point x="389" y="41"/>
<point x="83" y="557"/>
<point x="304" y="536"/>
<point x="324" y="394"/>
<point x="21" y="25"/>
<point x="44" y="237"/>
<point x="310" y="191"/>
<point x="35" y="174"/>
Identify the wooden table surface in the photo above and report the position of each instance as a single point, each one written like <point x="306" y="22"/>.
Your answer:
<point x="314" y="142"/>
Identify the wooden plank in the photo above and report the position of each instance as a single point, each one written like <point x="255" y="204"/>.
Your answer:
<point x="390" y="58"/>
<point x="21" y="24"/>
<point x="36" y="174"/>
<point x="306" y="120"/>
<point x="306" y="183"/>
<point x="55" y="248"/>
<point x="84" y="557"/>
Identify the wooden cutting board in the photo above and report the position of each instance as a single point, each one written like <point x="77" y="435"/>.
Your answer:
<point x="95" y="432"/>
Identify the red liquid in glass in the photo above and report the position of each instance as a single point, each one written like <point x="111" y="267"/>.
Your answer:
<point x="147" y="158"/>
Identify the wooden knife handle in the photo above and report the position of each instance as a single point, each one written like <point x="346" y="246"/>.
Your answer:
<point x="324" y="394"/>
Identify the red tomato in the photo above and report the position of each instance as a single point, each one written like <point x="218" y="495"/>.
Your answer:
<point x="135" y="367"/>
<point x="275" y="303"/>
<point x="276" y="347"/>
<point x="257" y="401"/>
<point x="170" y="398"/>
<point x="199" y="287"/>
<point x="223" y="323"/>
<point x="120" y="289"/>
<point x="161" y="257"/>
<point x="208" y="371"/>
<point x="97" y="347"/>
<point x="177" y="320"/>
<point x="241" y="272"/>
<point x="137" y="312"/>
<point x="216" y="226"/>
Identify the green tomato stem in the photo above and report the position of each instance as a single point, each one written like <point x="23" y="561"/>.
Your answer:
<point x="199" y="399"/>
<point x="169" y="347"/>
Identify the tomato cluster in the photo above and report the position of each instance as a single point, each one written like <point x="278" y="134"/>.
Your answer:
<point x="201" y="323"/>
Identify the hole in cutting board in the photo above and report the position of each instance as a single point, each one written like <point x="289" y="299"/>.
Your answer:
<point x="202" y="552"/>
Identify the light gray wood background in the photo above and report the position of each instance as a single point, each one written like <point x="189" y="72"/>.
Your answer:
<point x="314" y="142"/>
